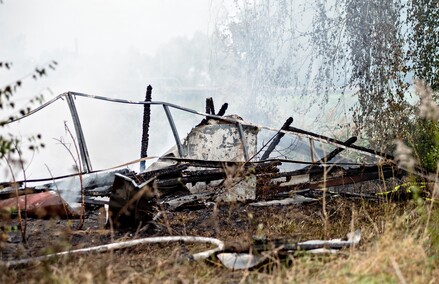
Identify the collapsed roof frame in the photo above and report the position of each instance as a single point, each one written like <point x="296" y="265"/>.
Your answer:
<point x="85" y="159"/>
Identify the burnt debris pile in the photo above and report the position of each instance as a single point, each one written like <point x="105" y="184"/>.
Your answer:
<point x="222" y="159"/>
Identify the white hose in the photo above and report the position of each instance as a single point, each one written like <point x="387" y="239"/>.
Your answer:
<point x="127" y="244"/>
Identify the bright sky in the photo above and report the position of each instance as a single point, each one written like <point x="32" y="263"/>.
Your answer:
<point x="34" y="28"/>
<point x="98" y="44"/>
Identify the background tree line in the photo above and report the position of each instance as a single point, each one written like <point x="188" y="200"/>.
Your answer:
<point x="371" y="49"/>
<point x="375" y="49"/>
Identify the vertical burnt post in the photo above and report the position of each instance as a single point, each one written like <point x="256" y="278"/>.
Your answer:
<point x="207" y="106"/>
<point x="210" y="108"/>
<point x="145" y="127"/>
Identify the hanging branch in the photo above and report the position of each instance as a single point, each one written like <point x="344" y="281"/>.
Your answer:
<point x="10" y="89"/>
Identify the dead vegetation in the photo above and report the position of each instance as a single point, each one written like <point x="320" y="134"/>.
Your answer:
<point x="396" y="247"/>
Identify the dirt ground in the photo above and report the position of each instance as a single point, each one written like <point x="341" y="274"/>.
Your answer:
<point x="236" y="224"/>
<point x="229" y="222"/>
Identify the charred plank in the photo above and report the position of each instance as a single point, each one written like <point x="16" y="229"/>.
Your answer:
<point x="277" y="139"/>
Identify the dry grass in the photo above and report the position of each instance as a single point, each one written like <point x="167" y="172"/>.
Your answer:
<point x="402" y="253"/>
<point x="396" y="247"/>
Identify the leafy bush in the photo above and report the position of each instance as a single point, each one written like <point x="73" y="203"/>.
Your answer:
<point x="424" y="136"/>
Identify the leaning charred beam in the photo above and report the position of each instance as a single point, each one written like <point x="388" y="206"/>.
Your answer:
<point x="337" y="151"/>
<point x="223" y="109"/>
<point x="332" y="140"/>
<point x="277" y="139"/>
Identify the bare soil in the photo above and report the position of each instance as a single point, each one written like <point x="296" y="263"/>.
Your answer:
<point x="236" y="224"/>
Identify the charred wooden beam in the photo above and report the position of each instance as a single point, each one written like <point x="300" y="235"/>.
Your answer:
<point x="145" y="127"/>
<point x="271" y="185"/>
<point x="210" y="108"/>
<point x="332" y="140"/>
<point x="277" y="139"/>
<point x="169" y="172"/>
<point x="223" y="109"/>
<point x="204" y="176"/>
<point x="202" y="163"/>
<point x="222" y="164"/>
<point x="337" y="151"/>
<point x="207" y="106"/>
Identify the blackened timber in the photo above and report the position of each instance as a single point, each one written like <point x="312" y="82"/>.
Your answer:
<point x="337" y="151"/>
<point x="221" y="112"/>
<point x="210" y="108"/>
<point x="207" y="106"/>
<point x="316" y="179"/>
<point x="202" y="163"/>
<point x="223" y="109"/>
<point x="145" y="127"/>
<point x="208" y="175"/>
<point x="222" y="164"/>
<point x="349" y="179"/>
<point x="267" y="186"/>
<point x="312" y="171"/>
<point x="317" y="173"/>
<point x="169" y="172"/>
<point x="205" y="176"/>
<point x="277" y="139"/>
<point x="332" y="140"/>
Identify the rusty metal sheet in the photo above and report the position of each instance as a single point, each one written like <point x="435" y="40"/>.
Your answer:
<point x="38" y="205"/>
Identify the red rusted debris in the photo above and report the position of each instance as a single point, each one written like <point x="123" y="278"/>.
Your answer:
<point x="39" y="205"/>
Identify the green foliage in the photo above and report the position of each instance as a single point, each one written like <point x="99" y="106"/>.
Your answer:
<point x="423" y="20"/>
<point x="7" y="145"/>
<point x="385" y="45"/>
<point x="376" y="48"/>
<point x="424" y="139"/>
